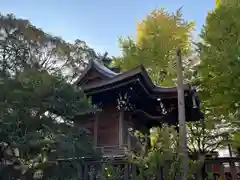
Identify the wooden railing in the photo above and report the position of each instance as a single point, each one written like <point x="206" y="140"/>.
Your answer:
<point x="224" y="168"/>
<point x="214" y="168"/>
<point x="112" y="150"/>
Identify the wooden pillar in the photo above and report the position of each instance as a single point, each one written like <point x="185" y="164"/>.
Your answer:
<point x="95" y="130"/>
<point x="121" y="119"/>
<point x="129" y="135"/>
<point x="221" y="170"/>
<point x="128" y="140"/>
<point x="181" y="117"/>
<point x="233" y="169"/>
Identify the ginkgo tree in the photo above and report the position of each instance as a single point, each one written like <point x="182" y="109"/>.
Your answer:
<point x="218" y="72"/>
<point x="158" y="36"/>
<point x="220" y="59"/>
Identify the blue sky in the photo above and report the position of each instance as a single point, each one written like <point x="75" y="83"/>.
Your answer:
<point x="99" y="22"/>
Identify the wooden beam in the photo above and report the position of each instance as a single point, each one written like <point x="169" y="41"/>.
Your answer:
<point x="129" y="140"/>
<point x="121" y="119"/>
<point x="96" y="130"/>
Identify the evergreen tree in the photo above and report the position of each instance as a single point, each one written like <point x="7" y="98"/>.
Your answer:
<point x="38" y="105"/>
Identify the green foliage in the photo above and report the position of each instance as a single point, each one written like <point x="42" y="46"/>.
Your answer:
<point x="162" y="154"/>
<point x="208" y="136"/>
<point x="158" y="36"/>
<point x="37" y="103"/>
<point x="37" y="110"/>
<point x="24" y="46"/>
<point x="218" y="72"/>
<point x="219" y="3"/>
<point x="111" y="173"/>
<point x="219" y="55"/>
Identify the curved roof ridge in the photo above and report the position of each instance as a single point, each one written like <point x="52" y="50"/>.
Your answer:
<point x="99" y="67"/>
<point x="103" y="69"/>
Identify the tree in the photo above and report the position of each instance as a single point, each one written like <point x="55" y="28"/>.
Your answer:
<point x="218" y="70"/>
<point x="31" y="106"/>
<point x="207" y="136"/>
<point x="219" y="53"/>
<point x="24" y="46"/>
<point x="226" y="2"/>
<point x="37" y="102"/>
<point x="158" y="36"/>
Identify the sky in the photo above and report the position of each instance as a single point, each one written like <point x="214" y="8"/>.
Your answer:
<point x="100" y="22"/>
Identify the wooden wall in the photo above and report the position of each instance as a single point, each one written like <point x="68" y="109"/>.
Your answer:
<point x="87" y="123"/>
<point x="108" y="126"/>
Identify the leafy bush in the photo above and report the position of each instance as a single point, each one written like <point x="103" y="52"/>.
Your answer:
<point x="162" y="156"/>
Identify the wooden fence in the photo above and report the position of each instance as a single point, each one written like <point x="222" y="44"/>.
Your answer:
<point x="222" y="168"/>
<point x="214" y="168"/>
<point x="88" y="169"/>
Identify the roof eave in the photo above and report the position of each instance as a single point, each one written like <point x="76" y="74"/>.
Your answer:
<point x="93" y="64"/>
